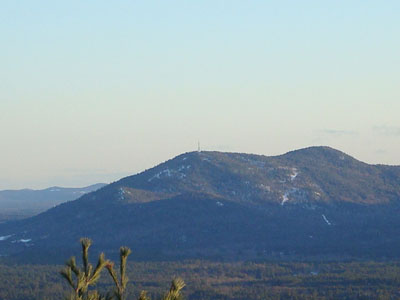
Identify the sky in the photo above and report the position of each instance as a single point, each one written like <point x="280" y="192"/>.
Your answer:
<point x="92" y="91"/>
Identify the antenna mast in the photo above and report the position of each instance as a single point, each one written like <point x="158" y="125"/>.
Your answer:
<point x="198" y="147"/>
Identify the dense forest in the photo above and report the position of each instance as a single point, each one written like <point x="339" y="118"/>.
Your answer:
<point x="215" y="280"/>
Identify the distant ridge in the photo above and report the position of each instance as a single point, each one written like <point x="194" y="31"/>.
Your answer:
<point x="311" y="202"/>
<point x="18" y="204"/>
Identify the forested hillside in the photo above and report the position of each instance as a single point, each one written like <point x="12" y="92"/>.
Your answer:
<point x="313" y="202"/>
<point x="207" y="280"/>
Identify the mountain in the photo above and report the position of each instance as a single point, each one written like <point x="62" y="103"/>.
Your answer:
<point x="313" y="202"/>
<point x="18" y="204"/>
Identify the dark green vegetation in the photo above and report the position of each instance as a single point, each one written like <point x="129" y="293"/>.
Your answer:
<point x="213" y="281"/>
<point x="19" y="204"/>
<point x="311" y="203"/>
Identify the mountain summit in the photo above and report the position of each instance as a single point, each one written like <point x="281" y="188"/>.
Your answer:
<point x="309" y="202"/>
<point x="308" y="176"/>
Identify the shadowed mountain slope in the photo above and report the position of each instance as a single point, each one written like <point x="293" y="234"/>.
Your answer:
<point x="311" y="202"/>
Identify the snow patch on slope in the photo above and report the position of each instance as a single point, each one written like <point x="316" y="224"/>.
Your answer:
<point x="171" y="173"/>
<point x="285" y="198"/>
<point x="294" y="174"/>
<point x="5" y="237"/>
<point x="121" y="193"/>
<point x="326" y="220"/>
<point x="24" y="240"/>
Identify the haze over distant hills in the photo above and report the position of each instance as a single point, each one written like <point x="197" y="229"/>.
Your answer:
<point x="18" y="204"/>
<point x="311" y="202"/>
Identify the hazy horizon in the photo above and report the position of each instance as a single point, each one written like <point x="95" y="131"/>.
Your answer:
<point x="94" y="91"/>
<point x="115" y="177"/>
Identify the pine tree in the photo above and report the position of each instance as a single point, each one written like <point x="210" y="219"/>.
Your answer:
<point x="175" y="290"/>
<point x="86" y="277"/>
<point x="120" y="285"/>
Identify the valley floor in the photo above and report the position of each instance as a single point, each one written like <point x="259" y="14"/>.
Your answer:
<point x="228" y="281"/>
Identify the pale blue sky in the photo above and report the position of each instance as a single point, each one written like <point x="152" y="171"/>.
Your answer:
<point x="92" y="91"/>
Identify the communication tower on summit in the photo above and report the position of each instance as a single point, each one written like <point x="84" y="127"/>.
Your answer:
<point x="198" y="147"/>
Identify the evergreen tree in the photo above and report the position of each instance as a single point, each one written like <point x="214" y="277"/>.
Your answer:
<point x="86" y="277"/>
<point x="120" y="285"/>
